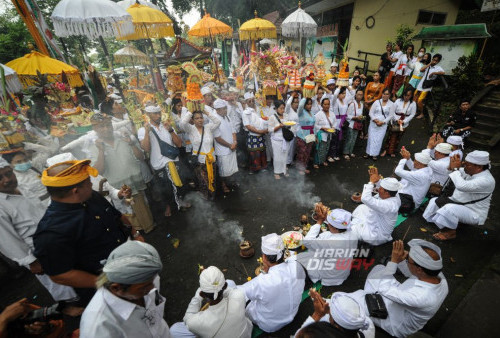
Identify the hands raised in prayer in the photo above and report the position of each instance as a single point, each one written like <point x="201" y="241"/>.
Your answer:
<point x="405" y="153"/>
<point x="399" y="253"/>
<point x="374" y="175"/>
<point x="455" y="162"/>
<point x="321" y="306"/>
<point x="321" y="212"/>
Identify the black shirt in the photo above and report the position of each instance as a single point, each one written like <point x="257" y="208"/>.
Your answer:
<point x="386" y="63"/>
<point x="462" y="121"/>
<point x="78" y="236"/>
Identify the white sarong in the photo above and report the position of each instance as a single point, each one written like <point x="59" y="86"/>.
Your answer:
<point x="228" y="164"/>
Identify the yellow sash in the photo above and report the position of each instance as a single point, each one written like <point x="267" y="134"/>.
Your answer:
<point x="174" y="174"/>
<point x="416" y="77"/>
<point x="209" y="160"/>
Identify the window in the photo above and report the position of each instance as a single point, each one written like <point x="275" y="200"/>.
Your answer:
<point x="431" y="18"/>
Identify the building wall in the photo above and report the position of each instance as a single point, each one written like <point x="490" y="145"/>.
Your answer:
<point x="388" y="15"/>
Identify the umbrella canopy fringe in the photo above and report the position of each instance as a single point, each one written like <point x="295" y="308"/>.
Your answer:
<point x="153" y="31"/>
<point x="74" y="79"/>
<point x="93" y="28"/>
<point x="257" y="34"/>
<point x="298" y="30"/>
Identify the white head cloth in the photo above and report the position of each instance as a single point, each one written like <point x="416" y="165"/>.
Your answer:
<point x="63" y="157"/>
<point x="212" y="280"/>
<point x="248" y="96"/>
<point x="205" y="91"/>
<point x="334" y="64"/>
<point x="347" y="313"/>
<point x="421" y="257"/>
<point x="219" y="103"/>
<point x="330" y="82"/>
<point x="3" y="163"/>
<point x="444" y="148"/>
<point x="272" y="244"/>
<point x="390" y="183"/>
<point x="455" y="140"/>
<point x="423" y="158"/>
<point x="132" y="262"/>
<point x="116" y="98"/>
<point x="478" y="157"/>
<point x="152" y="109"/>
<point x="339" y="218"/>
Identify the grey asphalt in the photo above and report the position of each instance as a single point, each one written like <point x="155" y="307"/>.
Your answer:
<point x="209" y="234"/>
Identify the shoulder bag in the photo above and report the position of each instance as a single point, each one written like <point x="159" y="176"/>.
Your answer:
<point x="447" y="191"/>
<point x="427" y="83"/>
<point x="287" y="133"/>
<point x="345" y="124"/>
<point x="193" y="159"/>
<point x="376" y="305"/>
<point x="358" y="125"/>
<point x="166" y="149"/>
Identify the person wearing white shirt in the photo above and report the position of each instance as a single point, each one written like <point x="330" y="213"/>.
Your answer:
<point x="470" y="201"/>
<point x="316" y="100"/>
<point x="394" y="60"/>
<point x="430" y="73"/>
<point x="457" y="142"/>
<point x="266" y="112"/>
<point x="380" y="115"/>
<point x="166" y="168"/>
<point x="324" y="128"/>
<point x="441" y="161"/>
<point x="345" y="315"/>
<point x="257" y="128"/>
<point x="291" y="111"/>
<point x="374" y="220"/>
<point x="416" y="181"/>
<point x="322" y="263"/>
<point x="412" y="303"/>
<point x="340" y="112"/>
<point x="127" y="302"/>
<point x="416" y="64"/>
<point x="222" y="316"/>
<point x="19" y="216"/>
<point x="281" y="147"/>
<point x="202" y="139"/>
<point x="354" y="85"/>
<point x="28" y="177"/>
<point x="402" y="113"/>
<point x="401" y="70"/>
<point x="331" y="93"/>
<point x="355" y="118"/>
<point x="235" y="113"/>
<point x="275" y="294"/>
<point x="225" y="145"/>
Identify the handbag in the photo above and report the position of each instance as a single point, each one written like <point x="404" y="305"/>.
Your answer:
<point x="426" y="84"/>
<point x="358" y="125"/>
<point x="193" y="159"/>
<point x="435" y="189"/>
<point x="407" y="204"/>
<point x="166" y="149"/>
<point x="287" y="133"/>
<point x="376" y="306"/>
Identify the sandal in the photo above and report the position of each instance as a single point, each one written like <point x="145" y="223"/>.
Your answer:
<point x="307" y="171"/>
<point x="315" y="166"/>
<point x="352" y="155"/>
<point x="374" y="158"/>
<point x="331" y="160"/>
<point x="445" y="236"/>
<point x="325" y="164"/>
<point x="277" y="177"/>
<point x="347" y="157"/>
<point x="383" y="153"/>
<point x="365" y="157"/>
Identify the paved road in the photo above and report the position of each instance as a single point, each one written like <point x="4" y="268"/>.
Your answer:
<point x="209" y="234"/>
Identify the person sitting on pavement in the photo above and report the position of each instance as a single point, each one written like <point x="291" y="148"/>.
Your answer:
<point x="461" y="122"/>
<point x="216" y="310"/>
<point x="127" y="302"/>
<point x="412" y="303"/>
<point x="275" y="294"/>
<point x="458" y="145"/>
<point x="374" y="220"/>
<point x="79" y="229"/>
<point x="339" y="237"/>
<point x="416" y="181"/>
<point x="439" y="165"/>
<point x="471" y="198"/>
<point x="343" y="312"/>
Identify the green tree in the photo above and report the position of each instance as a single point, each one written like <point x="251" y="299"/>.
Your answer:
<point x="467" y="78"/>
<point x="14" y="36"/>
<point x="404" y="33"/>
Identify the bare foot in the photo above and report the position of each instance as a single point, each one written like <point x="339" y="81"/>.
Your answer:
<point x="316" y="166"/>
<point x="383" y="153"/>
<point x="277" y="177"/>
<point x="445" y="235"/>
<point x="307" y="171"/>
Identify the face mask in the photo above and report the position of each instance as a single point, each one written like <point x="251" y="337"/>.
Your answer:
<point x="420" y="54"/>
<point x="23" y="166"/>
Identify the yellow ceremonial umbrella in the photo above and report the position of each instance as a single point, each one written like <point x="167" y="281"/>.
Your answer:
<point x="148" y="23"/>
<point x="257" y="28"/>
<point x="208" y="27"/>
<point x="27" y="66"/>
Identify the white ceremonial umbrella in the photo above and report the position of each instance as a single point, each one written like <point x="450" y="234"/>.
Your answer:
<point x="299" y="24"/>
<point x="11" y="80"/>
<point x="91" y="18"/>
<point x="127" y="3"/>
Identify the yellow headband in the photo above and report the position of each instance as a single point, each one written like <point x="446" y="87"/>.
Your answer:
<point x="78" y="172"/>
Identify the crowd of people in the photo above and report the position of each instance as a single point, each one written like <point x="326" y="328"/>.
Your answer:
<point x="77" y="223"/>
